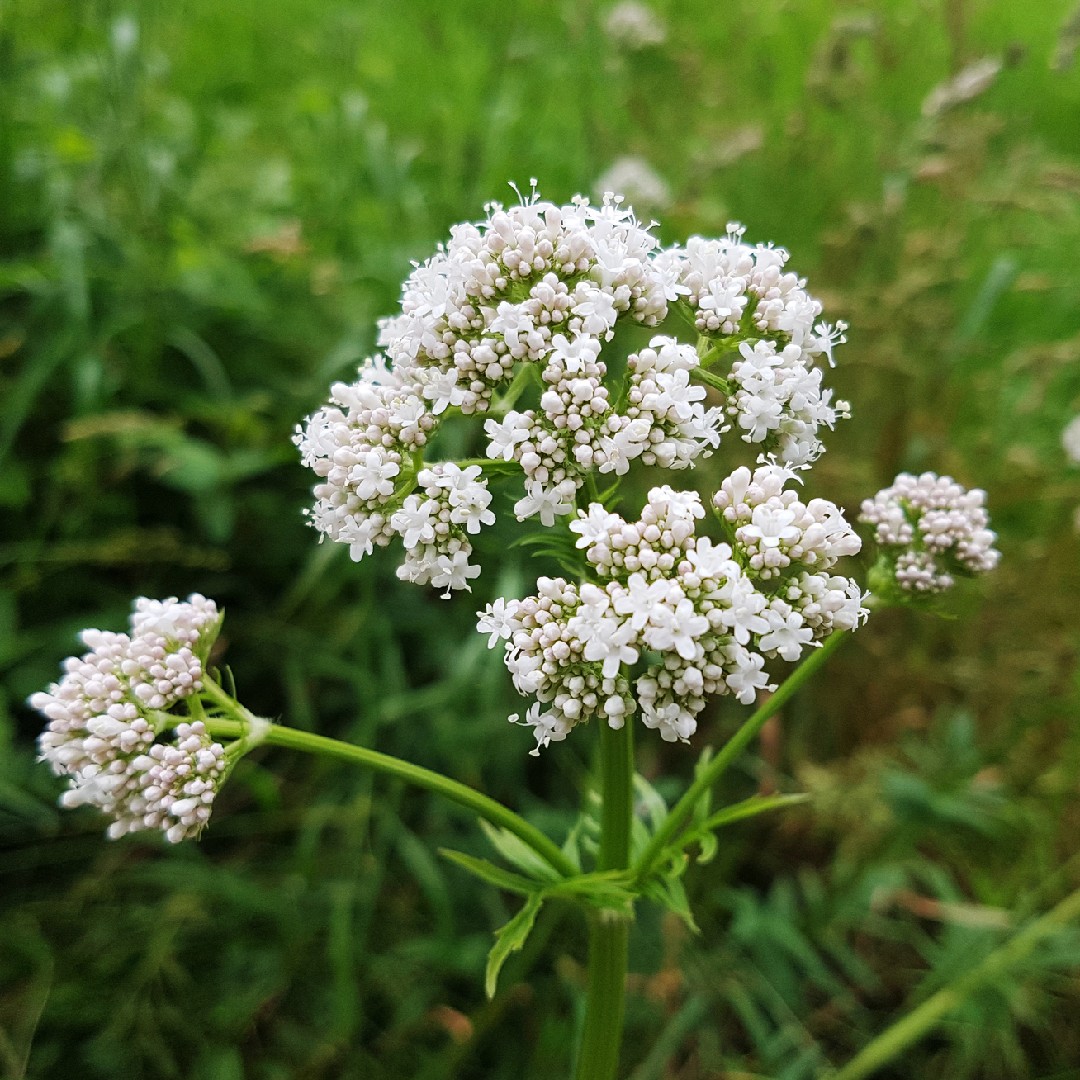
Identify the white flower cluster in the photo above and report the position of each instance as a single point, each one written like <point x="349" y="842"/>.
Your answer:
<point x="663" y="422"/>
<point x="435" y="528"/>
<point x="930" y="528"/>
<point x="500" y="291"/>
<point x="535" y="291"/>
<point x="700" y="617"/>
<point x="363" y="446"/>
<point x="106" y="721"/>
<point x="743" y="296"/>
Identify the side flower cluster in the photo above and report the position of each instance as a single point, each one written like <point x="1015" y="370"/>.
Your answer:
<point x="929" y="529"/>
<point x="529" y="297"/>
<point x="109" y="730"/>
<point x="694" y="617"/>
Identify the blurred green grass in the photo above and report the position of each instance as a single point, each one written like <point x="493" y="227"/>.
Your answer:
<point x="203" y="210"/>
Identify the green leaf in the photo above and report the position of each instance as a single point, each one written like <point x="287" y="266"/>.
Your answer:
<point x="516" y="852"/>
<point x="607" y="889"/>
<point x="570" y="847"/>
<point x="651" y="801"/>
<point x="510" y="938"/>
<point x="708" y="846"/>
<point x="702" y="831"/>
<point x="489" y="872"/>
<point x="670" y="893"/>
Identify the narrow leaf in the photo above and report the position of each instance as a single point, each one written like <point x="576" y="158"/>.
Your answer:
<point x="516" y="852"/>
<point x="489" y="872"/>
<point x="756" y="804"/>
<point x="510" y="938"/>
<point x="651" y="801"/>
<point x="669" y="893"/>
<point x="609" y="889"/>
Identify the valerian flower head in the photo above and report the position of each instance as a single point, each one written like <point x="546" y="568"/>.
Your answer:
<point x="930" y="530"/>
<point x="530" y="297"/>
<point x="110" y="730"/>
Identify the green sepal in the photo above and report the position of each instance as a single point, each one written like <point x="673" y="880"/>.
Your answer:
<point x="510" y="938"/>
<point x="207" y="639"/>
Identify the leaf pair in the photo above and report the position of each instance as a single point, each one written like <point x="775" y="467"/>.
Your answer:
<point x="537" y="881"/>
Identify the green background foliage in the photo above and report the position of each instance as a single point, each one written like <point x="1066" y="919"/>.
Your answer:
<point x="204" y="207"/>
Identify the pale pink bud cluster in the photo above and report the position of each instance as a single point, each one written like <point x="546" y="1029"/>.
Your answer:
<point x="108" y="730"/>
<point x="931" y="529"/>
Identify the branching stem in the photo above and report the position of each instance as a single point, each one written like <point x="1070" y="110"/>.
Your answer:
<point x="681" y="812"/>
<point x="487" y="808"/>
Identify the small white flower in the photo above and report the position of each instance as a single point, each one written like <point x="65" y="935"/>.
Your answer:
<point x="549" y="503"/>
<point x="505" y="437"/>
<point x="497" y="619"/>
<point x="453" y="572"/>
<point x="414" y="522"/>
<point x="443" y="391"/>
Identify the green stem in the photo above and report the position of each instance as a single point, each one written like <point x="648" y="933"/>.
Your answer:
<point x="526" y="374"/>
<point x="488" y="464"/>
<point x="609" y="932"/>
<point x="682" y="811"/>
<point x="617" y="789"/>
<point x="919" y="1021"/>
<point x="456" y="792"/>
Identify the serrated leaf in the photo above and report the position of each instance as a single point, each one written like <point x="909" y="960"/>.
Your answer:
<point x="510" y="938"/>
<point x="516" y="852"/>
<point x="489" y="872"/>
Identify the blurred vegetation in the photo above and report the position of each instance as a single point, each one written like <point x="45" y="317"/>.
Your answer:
<point x="204" y="208"/>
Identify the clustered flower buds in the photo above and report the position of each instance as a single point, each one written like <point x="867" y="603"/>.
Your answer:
<point x="696" y="617"/>
<point x="930" y="529"/>
<point x="511" y="320"/>
<point x="529" y="297"/>
<point x="109" y="730"/>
